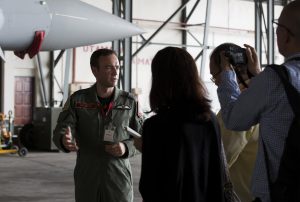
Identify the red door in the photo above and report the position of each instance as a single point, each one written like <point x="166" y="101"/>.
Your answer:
<point x="23" y="100"/>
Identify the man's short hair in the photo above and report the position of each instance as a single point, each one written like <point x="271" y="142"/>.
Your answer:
<point x="98" y="53"/>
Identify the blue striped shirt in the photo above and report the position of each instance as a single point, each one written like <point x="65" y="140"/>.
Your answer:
<point x="264" y="102"/>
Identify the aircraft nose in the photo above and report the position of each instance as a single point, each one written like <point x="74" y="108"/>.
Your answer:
<point x="82" y="24"/>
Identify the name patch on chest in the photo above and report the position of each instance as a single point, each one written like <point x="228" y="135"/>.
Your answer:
<point x="84" y="105"/>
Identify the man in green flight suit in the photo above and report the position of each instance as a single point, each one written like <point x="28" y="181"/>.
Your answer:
<point x="92" y="124"/>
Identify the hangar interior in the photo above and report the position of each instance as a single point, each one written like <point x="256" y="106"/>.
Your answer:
<point x="35" y="89"/>
<point x="38" y="87"/>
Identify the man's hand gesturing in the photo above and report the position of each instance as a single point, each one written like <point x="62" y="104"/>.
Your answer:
<point x="67" y="141"/>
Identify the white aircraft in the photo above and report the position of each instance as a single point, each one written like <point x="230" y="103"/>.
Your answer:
<point x="30" y="26"/>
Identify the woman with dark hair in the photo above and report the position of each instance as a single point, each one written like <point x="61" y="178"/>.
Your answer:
<point x="181" y="160"/>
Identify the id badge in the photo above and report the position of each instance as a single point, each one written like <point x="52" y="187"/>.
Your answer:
<point x="109" y="133"/>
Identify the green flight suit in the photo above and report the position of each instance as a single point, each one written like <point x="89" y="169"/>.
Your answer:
<point x="100" y="177"/>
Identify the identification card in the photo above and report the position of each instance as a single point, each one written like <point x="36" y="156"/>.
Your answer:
<point x="109" y="135"/>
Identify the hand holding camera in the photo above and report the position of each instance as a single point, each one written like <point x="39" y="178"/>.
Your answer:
<point x="236" y="58"/>
<point x="253" y="63"/>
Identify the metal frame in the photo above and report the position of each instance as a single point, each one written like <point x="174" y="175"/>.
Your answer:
<point x="270" y="31"/>
<point x="1" y="85"/>
<point x="52" y="63"/>
<point x="263" y="24"/>
<point x="123" y="9"/>
<point x="146" y="42"/>
<point x="42" y="86"/>
<point x="51" y="76"/>
<point x="205" y="47"/>
<point x="184" y="21"/>
<point x="258" y="30"/>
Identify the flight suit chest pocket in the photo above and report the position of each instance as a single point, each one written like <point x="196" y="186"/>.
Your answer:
<point x="121" y="114"/>
<point x="87" y="112"/>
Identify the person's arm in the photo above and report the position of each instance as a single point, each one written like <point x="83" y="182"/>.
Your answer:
<point x="61" y="135"/>
<point x="253" y="62"/>
<point x="135" y="123"/>
<point x="68" y="142"/>
<point x="240" y="110"/>
<point x="116" y="150"/>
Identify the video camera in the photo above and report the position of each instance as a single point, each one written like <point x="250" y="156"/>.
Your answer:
<point x="236" y="55"/>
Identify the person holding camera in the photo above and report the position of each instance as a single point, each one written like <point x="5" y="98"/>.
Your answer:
<point x="240" y="146"/>
<point x="265" y="102"/>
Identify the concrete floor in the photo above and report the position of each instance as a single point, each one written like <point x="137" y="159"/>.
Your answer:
<point x="44" y="177"/>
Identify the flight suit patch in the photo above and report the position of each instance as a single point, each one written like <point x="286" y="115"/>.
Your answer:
<point x="123" y="107"/>
<point x="84" y="105"/>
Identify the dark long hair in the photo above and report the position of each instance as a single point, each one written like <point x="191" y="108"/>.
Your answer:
<point x="176" y="82"/>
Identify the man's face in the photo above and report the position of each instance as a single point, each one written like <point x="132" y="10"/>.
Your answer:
<point x="280" y="36"/>
<point x="284" y="33"/>
<point x="107" y="71"/>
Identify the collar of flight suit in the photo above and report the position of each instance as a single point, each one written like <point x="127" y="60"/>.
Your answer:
<point x="116" y="104"/>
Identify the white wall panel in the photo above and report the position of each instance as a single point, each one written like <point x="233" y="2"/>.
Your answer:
<point x="155" y="9"/>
